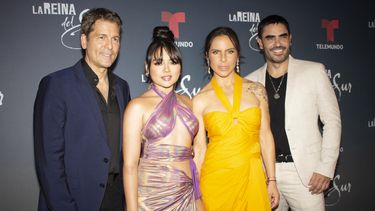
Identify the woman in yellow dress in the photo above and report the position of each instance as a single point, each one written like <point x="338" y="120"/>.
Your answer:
<point x="237" y="165"/>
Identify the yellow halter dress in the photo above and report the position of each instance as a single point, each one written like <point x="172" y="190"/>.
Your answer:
<point x="232" y="176"/>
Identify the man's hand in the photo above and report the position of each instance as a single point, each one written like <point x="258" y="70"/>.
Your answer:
<point x="318" y="183"/>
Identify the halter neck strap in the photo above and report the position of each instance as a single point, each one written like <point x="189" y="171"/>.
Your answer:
<point x="236" y="95"/>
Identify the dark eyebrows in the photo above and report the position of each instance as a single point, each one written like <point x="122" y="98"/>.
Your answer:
<point x="269" y="36"/>
<point x="213" y="49"/>
<point x="106" y="35"/>
<point x="286" y="34"/>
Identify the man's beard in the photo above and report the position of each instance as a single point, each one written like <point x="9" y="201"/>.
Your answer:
<point x="274" y="59"/>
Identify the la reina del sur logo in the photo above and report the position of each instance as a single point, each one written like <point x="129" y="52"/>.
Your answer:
<point x="54" y="9"/>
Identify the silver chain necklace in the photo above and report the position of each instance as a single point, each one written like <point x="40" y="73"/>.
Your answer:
<point x="276" y="95"/>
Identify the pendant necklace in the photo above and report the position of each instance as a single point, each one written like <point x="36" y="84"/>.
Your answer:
<point x="276" y="96"/>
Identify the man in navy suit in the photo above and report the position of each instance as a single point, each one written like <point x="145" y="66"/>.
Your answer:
<point x="78" y="124"/>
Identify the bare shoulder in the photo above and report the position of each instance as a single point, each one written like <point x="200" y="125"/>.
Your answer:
<point x="135" y="105"/>
<point x="185" y="100"/>
<point x="204" y="94"/>
<point x="203" y="99"/>
<point x="256" y="88"/>
<point x="140" y="103"/>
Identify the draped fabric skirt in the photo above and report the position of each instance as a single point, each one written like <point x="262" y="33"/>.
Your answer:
<point x="164" y="187"/>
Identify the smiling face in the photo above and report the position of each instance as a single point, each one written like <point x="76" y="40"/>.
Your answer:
<point x="164" y="71"/>
<point x="222" y="56"/>
<point x="102" y="45"/>
<point x="276" y="43"/>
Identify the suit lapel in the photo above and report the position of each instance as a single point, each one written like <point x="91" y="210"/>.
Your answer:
<point x="120" y="101"/>
<point x="290" y="90"/>
<point x="120" y="97"/>
<point x="262" y="74"/>
<point x="85" y="90"/>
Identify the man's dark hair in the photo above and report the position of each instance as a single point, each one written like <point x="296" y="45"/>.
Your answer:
<point x="91" y="16"/>
<point x="272" y="19"/>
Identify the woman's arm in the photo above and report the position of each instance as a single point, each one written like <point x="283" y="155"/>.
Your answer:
<point x="267" y="144"/>
<point x="200" y="142"/>
<point x="133" y="123"/>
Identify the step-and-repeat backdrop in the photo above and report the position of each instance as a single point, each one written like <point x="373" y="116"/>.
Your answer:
<point x="39" y="37"/>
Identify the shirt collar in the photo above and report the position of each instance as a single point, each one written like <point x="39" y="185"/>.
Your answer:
<point x="94" y="79"/>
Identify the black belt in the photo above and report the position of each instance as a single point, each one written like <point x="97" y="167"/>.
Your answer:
<point x="284" y="158"/>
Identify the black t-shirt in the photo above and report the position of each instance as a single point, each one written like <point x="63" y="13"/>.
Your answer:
<point x="277" y="112"/>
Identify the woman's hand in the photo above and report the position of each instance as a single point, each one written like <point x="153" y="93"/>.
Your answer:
<point x="273" y="193"/>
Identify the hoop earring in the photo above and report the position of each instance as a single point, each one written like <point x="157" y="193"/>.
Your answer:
<point x="208" y="67"/>
<point x="238" y="66"/>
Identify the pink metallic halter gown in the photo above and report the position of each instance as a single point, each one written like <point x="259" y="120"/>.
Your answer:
<point x="161" y="186"/>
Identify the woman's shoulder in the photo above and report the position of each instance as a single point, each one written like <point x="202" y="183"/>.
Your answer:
<point x="253" y="86"/>
<point x="251" y="83"/>
<point x="205" y="92"/>
<point x="185" y="100"/>
<point x="203" y="99"/>
<point x="142" y="102"/>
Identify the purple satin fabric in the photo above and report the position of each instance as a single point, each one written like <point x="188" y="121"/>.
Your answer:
<point x="161" y="186"/>
<point x="163" y="120"/>
<point x="194" y="175"/>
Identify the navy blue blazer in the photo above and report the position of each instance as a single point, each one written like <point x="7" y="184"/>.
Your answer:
<point x="70" y="141"/>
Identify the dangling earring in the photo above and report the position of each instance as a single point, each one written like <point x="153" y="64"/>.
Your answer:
<point x="208" y="67"/>
<point x="147" y="71"/>
<point x="238" y="66"/>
